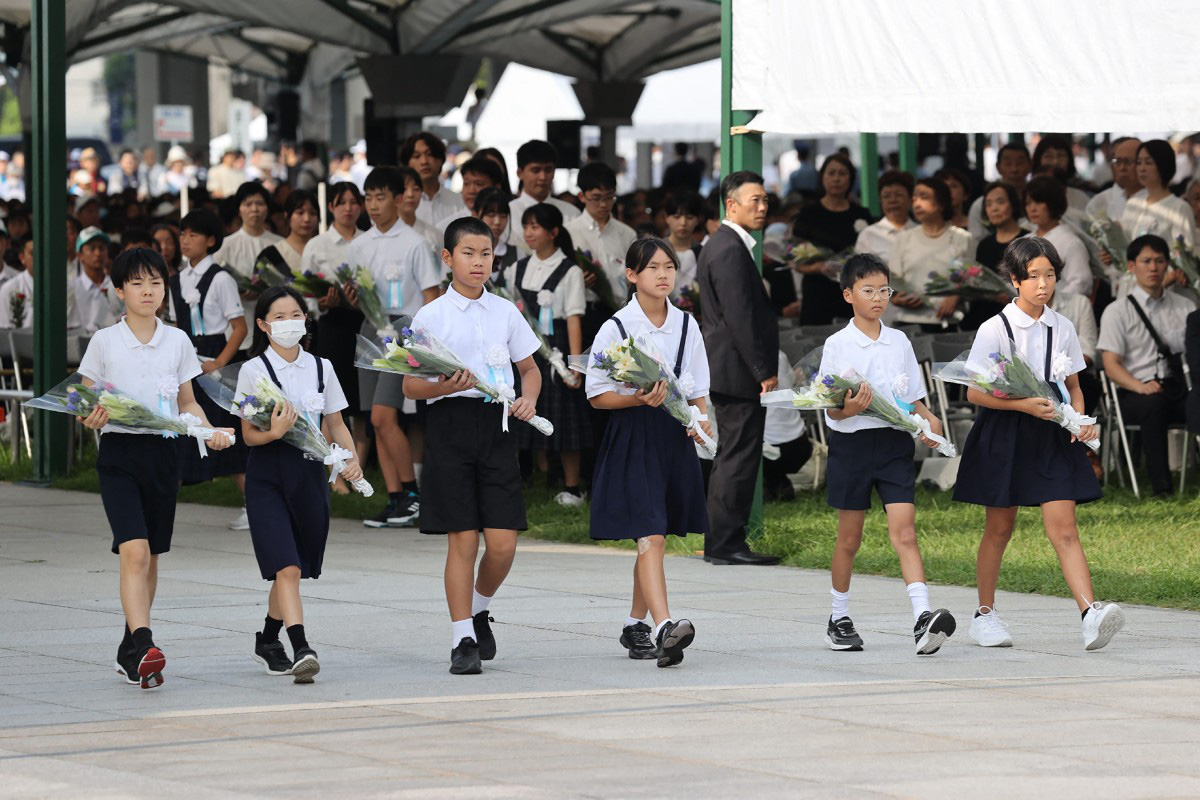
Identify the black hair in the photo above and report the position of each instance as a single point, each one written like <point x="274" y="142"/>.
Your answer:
<point x="71" y="220"/>
<point x="494" y="155"/>
<point x="549" y="218"/>
<point x="493" y="200"/>
<point x="596" y="175"/>
<point x="536" y="151"/>
<point x="409" y="175"/>
<point x="1016" y="147"/>
<point x="642" y="251"/>
<point x="894" y="177"/>
<point x="140" y="262"/>
<point x="956" y="175"/>
<point x="308" y="147"/>
<point x="1010" y="191"/>
<point x="684" y="203"/>
<point x="1021" y="252"/>
<point x="251" y="188"/>
<point x="941" y="193"/>
<point x="385" y="179"/>
<point x="736" y="180"/>
<point x="464" y="226"/>
<point x="647" y="230"/>
<point x="1048" y="190"/>
<point x="837" y="158"/>
<point x="297" y="198"/>
<point x="137" y="235"/>
<point x="261" y="341"/>
<point x="1164" y="158"/>
<point x="1154" y="242"/>
<point x="340" y="188"/>
<point x="436" y="146"/>
<point x="227" y="208"/>
<point x="174" y="237"/>
<point x="206" y="223"/>
<point x="479" y="165"/>
<point x="1055" y="141"/>
<point x="862" y="265"/>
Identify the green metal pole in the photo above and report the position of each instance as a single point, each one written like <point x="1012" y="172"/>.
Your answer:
<point x="908" y="153"/>
<point x="743" y="151"/>
<point x="868" y="172"/>
<point x="1016" y="138"/>
<point x="49" y="69"/>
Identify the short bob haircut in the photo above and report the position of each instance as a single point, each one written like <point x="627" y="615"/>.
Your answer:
<point x="837" y="158"/>
<point x="1044" y="189"/>
<point x="1164" y="158"/>
<point x="1055" y="141"/>
<point x="862" y="265"/>
<point x="493" y="200"/>
<point x="643" y="249"/>
<point x="206" y="223"/>
<point x="1022" y="252"/>
<point x="685" y="203"/>
<point x="139" y="262"/>
<point x="1155" y="243"/>
<point x="1010" y="191"/>
<point x="894" y="177"/>
<point x="251" y="188"/>
<point x="941" y="193"/>
<point x="297" y="198"/>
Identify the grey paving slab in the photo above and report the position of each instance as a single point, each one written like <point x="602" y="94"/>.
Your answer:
<point x="759" y="708"/>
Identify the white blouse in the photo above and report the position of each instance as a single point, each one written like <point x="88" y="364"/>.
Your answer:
<point x="664" y="340"/>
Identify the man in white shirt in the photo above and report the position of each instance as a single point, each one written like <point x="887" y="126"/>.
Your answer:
<point x="895" y="200"/>
<point x="1013" y="163"/>
<point x="93" y="290"/>
<point x="607" y="238"/>
<point x="16" y="295"/>
<point x="224" y="179"/>
<point x="426" y="153"/>
<point x="1111" y="201"/>
<point x="536" y="162"/>
<point x="477" y="174"/>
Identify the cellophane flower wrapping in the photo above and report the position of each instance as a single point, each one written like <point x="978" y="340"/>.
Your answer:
<point x="368" y="297"/>
<point x="602" y="286"/>
<point x="969" y="280"/>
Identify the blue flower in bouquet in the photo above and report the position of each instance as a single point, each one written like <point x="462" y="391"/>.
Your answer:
<point x="827" y="380"/>
<point x="73" y="401"/>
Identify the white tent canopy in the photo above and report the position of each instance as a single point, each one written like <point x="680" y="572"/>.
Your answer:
<point x="819" y="67"/>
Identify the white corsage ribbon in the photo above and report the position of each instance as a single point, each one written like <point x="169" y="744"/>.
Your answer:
<point x="168" y="389"/>
<point x="943" y="446"/>
<point x="706" y="441"/>
<point x="507" y="396"/>
<point x="200" y="433"/>
<point x="337" y="461"/>
<point x="1073" y="421"/>
<point x="545" y="300"/>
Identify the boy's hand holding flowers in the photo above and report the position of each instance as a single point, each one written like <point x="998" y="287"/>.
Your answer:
<point x="856" y="404"/>
<point x="522" y="409"/>
<point x="460" y="381"/>
<point x="97" y="419"/>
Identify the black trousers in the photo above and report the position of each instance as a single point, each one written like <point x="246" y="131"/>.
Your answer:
<point x="792" y="456"/>
<point x="1154" y="413"/>
<point x="740" y="425"/>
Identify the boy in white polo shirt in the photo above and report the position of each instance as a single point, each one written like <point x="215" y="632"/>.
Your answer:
<point x="139" y="471"/>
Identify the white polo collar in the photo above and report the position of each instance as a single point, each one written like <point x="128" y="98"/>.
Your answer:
<point x="130" y="340"/>
<point x="1023" y="320"/>
<point x="461" y="301"/>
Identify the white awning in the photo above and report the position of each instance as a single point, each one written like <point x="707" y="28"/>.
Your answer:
<point x="821" y="67"/>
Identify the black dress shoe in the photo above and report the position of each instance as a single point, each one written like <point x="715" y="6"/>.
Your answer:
<point x="487" y="640"/>
<point x="464" y="659"/>
<point x="744" y="557"/>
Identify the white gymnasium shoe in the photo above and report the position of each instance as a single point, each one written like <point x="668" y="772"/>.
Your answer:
<point x="242" y="523"/>
<point x="989" y="630"/>
<point x="1101" y="624"/>
<point x="568" y="499"/>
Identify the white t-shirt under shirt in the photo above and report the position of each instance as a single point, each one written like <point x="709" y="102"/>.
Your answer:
<point x="915" y="256"/>
<point x="240" y="250"/>
<point x="400" y="255"/>
<point x="1169" y="218"/>
<point x="1030" y="337"/>
<point x="151" y="373"/>
<point x="568" y="295"/>
<point x="887" y="363"/>
<point x="299" y="383"/>
<point x="665" y="341"/>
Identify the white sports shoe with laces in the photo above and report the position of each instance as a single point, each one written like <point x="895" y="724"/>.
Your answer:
<point x="1101" y="624"/>
<point x="989" y="630"/>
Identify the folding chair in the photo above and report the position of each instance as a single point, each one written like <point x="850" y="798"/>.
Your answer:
<point x="1121" y="441"/>
<point x="20" y="346"/>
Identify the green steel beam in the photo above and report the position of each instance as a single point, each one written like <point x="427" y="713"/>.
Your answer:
<point x="49" y="69"/>
<point x="1016" y="138"/>
<point x="869" y="172"/>
<point x="908" y="153"/>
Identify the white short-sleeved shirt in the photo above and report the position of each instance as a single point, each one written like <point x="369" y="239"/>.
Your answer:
<point x="1110" y="202"/>
<point x="608" y="245"/>
<point x="431" y="210"/>
<point x="326" y="252"/>
<point x="568" y="295"/>
<point x="1169" y="218"/>
<point x="1030" y="337"/>
<point x="917" y="255"/>
<point x="240" y="250"/>
<point x="93" y="307"/>
<point x="299" y="382"/>
<point x="880" y="237"/>
<point x="686" y="275"/>
<point x="22" y="284"/>
<point x="430" y="234"/>
<point x="783" y="424"/>
<point x="665" y="341"/>
<point x="471" y="328"/>
<point x="1078" y="310"/>
<point x="222" y="304"/>
<point x="150" y="372"/>
<point x="1076" y="276"/>
<point x="1123" y="332"/>
<point x="400" y="254"/>
<point x="881" y="361"/>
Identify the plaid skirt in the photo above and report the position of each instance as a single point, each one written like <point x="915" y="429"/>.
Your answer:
<point x="567" y="409"/>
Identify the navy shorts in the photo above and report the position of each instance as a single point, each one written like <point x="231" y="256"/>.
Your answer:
<point x="875" y="458"/>
<point x="139" y="483"/>
<point x="287" y="503"/>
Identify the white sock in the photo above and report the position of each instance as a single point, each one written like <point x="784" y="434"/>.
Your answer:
<point x="659" y="627"/>
<point x="479" y="602"/>
<point x="918" y="593"/>
<point x="841" y="604"/>
<point x="632" y="621"/>
<point x="417" y="472"/>
<point x="462" y="629"/>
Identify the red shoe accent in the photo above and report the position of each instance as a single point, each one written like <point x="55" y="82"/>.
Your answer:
<point x="150" y="668"/>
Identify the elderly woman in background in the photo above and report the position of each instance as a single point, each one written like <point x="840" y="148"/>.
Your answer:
<point x="932" y="247"/>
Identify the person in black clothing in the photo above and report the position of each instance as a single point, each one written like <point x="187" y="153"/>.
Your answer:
<point x="1191" y="342"/>
<point x="833" y="222"/>
<point x="683" y="174"/>
<point x="742" y="338"/>
<point x="1001" y="207"/>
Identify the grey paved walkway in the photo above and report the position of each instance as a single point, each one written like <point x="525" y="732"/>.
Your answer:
<point x="759" y="708"/>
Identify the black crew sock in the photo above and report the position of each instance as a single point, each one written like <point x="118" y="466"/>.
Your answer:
<point x="142" y="640"/>
<point x="394" y="497"/>
<point x="271" y="629"/>
<point x="1083" y="614"/>
<point x="573" y="490"/>
<point x="410" y="486"/>
<point x="296" y="635"/>
<point x="127" y="639"/>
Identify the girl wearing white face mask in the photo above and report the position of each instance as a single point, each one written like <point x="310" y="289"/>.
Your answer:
<point x="287" y="496"/>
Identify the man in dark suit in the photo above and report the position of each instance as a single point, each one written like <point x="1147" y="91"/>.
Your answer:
<point x="741" y="335"/>
<point x="1191" y="340"/>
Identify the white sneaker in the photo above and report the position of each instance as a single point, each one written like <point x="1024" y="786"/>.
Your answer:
<point x="989" y="630"/>
<point x="242" y="523"/>
<point x="568" y="499"/>
<point x="1101" y="624"/>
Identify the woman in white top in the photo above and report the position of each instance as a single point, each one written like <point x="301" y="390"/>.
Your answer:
<point x="1154" y="209"/>
<point x="302" y="216"/>
<point x="933" y="247"/>
<point x="240" y="249"/>
<point x="1045" y="205"/>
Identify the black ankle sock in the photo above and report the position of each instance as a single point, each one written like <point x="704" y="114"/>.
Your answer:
<point x="575" y="490"/>
<point x="394" y="497"/>
<point x="1083" y="614"/>
<point x="296" y="635"/>
<point x="142" y="639"/>
<point x="410" y="486"/>
<point x="126" y="639"/>
<point x="271" y="629"/>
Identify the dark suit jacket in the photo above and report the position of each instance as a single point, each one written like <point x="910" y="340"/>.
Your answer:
<point x="740" y="329"/>
<point x="1191" y="341"/>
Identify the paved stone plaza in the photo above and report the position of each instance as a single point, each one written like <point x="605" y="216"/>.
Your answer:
<point x="758" y="709"/>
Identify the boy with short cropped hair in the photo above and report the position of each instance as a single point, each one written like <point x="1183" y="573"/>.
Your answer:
<point x="536" y="163"/>
<point x="607" y="238"/>
<point x="866" y="454"/>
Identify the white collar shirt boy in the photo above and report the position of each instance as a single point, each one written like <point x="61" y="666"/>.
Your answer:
<point x="401" y="263"/>
<point x="887" y="363"/>
<point x="151" y="372"/>
<point x="473" y="329"/>
<point x="326" y="252"/>
<point x="1123" y="332"/>
<point x="240" y="250"/>
<point x="94" y="303"/>
<point x="299" y="381"/>
<point x="222" y="304"/>
<point x="432" y="210"/>
<point x="568" y="297"/>
<point x="665" y="340"/>
<point x="20" y="285"/>
<point x="1030" y="337"/>
<point x="608" y="245"/>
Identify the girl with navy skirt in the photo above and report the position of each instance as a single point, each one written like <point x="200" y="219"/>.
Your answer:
<point x="287" y="494"/>
<point x="1016" y="456"/>
<point x="647" y="484"/>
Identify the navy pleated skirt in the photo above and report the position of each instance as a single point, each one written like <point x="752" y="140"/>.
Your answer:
<point x="1014" y="459"/>
<point x="287" y="503"/>
<point x="647" y="480"/>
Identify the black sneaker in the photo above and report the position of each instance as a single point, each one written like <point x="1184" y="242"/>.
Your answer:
<point x="840" y="635"/>
<point x="464" y="659"/>
<point x="380" y="520"/>
<point x="672" y="639"/>
<point x="637" y="640"/>
<point x="305" y="667"/>
<point x="487" y="640"/>
<point x="272" y="656"/>
<point x="126" y="665"/>
<point x="407" y="510"/>
<point x="150" y="664"/>
<point x="932" y="630"/>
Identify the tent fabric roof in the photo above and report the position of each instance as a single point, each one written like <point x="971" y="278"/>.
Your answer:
<point x="586" y="39"/>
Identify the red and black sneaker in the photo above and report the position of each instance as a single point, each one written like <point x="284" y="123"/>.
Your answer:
<point x="150" y="665"/>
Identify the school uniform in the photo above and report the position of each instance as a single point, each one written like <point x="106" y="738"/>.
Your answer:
<point x="96" y="304"/>
<point x="205" y="299"/>
<point x="338" y="327"/>
<point x="472" y="479"/>
<point x="1012" y="458"/>
<point x="139" y="470"/>
<point x="647" y="479"/>
<point x="402" y="265"/>
<point x="287" y="493"/>
<point x="865" y="453"/>
<point x="567" y="409"/>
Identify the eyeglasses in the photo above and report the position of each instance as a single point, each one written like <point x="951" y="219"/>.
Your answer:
<point x="870" y="292"/>
<point x="602" y="199"/>
<point x="1122" y="162"/>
